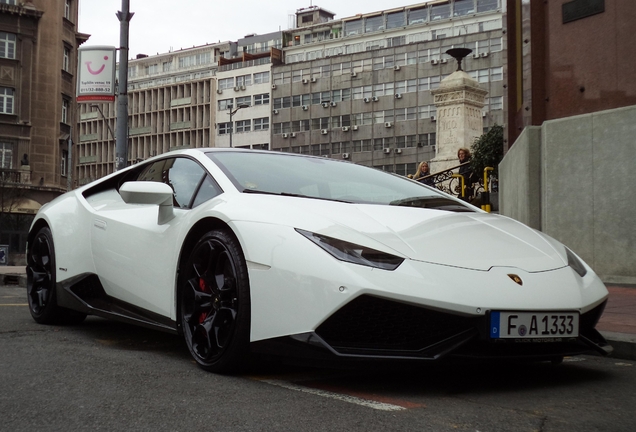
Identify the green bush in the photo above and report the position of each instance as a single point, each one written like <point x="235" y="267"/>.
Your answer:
<point x="487" y="151"/>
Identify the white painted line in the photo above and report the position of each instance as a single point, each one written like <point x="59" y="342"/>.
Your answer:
<point x="345" y="398"/>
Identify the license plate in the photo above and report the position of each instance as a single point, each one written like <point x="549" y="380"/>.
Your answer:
<point x="533" y="325"/>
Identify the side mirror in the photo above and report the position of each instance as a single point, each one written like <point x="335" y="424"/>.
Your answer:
<point x="151" y="193"/>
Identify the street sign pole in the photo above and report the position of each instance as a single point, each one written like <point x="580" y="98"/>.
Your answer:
<point x="121" y="141"/>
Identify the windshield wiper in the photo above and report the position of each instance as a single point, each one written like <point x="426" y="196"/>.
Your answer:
<point x="289" y="194"/>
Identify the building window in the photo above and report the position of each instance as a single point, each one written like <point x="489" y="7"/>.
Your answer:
<point x="244" y="80"/>
<point x="225" y="128"/>
<point x="261" y="99"/>
<point x="66" y="61"/>
<point x="395" y="20"/>
<point x="9" y="2"/>
<point x="226" y="83"/>
<point x="225" y="104"/>
<point x="496" y="73"/>
<point x="7" y="95"/>
<point x="65" y="106"/>
<point x="496" y="103"/>
<point x="7" y="45"/>
<point x="243" y="126"/>
<point x="6" y="155"/>
<point x="418" y="15"/>
<point x="427" y="139"/>
<point x="64" y="163"/>
<point x="67" y="9"/>
<point x="440" y="11"/>
<point x="261" y="123"/>
<point x="353" y="27"/>
<point x="261" y="78"/>
<point x="374" y="23"/>
<point x="244" y="100"/>
<point x="463" y="7"/>
<point x="487" y="5"/>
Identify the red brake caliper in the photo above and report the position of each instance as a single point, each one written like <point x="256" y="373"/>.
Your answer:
<point x="203" y="287"/>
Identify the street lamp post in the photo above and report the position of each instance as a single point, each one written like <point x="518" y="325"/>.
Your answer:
<point x="232" y="112"/>
<point x="121" y="142"/>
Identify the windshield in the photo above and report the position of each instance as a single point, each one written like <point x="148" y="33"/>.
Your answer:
<point x="321" y="178"/>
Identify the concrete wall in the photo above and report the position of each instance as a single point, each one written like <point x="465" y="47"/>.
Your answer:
<point x="520" y="192"/>
<point x="587" y="198"/>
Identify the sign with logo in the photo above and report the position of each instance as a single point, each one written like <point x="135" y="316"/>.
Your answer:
<point x="96" y="74"/>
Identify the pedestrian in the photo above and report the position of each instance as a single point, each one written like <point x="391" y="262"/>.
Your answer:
<point x="422" y="173"/>
<point x="465" y="170"/>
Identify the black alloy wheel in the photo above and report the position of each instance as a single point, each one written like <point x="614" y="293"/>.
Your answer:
<point x="215" y="303"/>
<point x="41" y="283"/>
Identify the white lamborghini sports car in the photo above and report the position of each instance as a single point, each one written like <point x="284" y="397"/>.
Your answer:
<point x="245" y="251"/>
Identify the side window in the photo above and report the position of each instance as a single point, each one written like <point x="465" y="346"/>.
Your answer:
<point x="208" y="190"/>
<point x="184" y="176"/>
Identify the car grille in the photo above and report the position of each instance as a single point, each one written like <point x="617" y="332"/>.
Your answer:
<point x="374" y="324"/>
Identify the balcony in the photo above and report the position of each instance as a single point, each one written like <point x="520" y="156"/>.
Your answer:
<point x="10" y="177"/>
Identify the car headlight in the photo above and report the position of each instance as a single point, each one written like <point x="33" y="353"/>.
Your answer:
<point x="575" y="263"/>
<point x="353" y="253"/>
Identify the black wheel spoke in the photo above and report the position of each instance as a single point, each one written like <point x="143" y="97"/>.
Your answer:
<point x="41" y="283"/>
<point x="40" y="287"/>
<point x="210" y="300"/>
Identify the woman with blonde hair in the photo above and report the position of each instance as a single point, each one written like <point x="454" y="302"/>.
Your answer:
<point x="422" y="172"/>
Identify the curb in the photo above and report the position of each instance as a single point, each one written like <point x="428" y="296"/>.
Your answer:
<point x="624" y="345"/>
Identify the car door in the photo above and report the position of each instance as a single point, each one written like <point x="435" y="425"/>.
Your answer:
<point x="136" y="255"/>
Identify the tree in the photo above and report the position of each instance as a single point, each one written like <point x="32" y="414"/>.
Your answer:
<point x="487" y="151"/>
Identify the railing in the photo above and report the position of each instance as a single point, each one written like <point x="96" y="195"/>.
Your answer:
<point x="12" y="176"/>
<point x="444" y="180"/>
<point x="450" y="182"/>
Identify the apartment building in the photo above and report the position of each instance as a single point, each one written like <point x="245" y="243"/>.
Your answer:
<point x="359" y="88"/>
<point x="38" y="63"/>
<point x="243" y="92"/>
<point x="183" y="99"/>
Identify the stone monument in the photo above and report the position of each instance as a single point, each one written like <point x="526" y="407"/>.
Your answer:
<point x="459" y="101"/>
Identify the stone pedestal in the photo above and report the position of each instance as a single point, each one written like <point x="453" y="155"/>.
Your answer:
<point x="459" y="101"/>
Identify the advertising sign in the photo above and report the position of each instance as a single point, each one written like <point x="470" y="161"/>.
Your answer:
<point x="96" y="74"/>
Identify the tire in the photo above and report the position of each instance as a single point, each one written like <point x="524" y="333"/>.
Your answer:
<point x="41" y="282"/>
<point x="214" y="303"/>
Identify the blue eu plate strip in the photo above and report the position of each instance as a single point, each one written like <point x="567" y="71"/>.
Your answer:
<point x="494" y="325"/>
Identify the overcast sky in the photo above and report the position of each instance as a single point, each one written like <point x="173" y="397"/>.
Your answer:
<point x="160" y="26"/>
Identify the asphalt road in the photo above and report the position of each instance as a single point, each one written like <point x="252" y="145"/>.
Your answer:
<point x="105" y="376"/>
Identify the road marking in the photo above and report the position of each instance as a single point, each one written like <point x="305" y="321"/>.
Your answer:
<point x="17" y="304"/>
<point x="382" y="406"/>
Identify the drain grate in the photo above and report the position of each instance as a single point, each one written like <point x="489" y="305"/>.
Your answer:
<point x="11" y="280"/>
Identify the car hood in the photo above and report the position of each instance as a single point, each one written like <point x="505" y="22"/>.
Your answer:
<point x="470" y="240"/>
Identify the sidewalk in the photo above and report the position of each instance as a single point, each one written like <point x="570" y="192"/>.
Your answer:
<point x="618" y="323"/>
